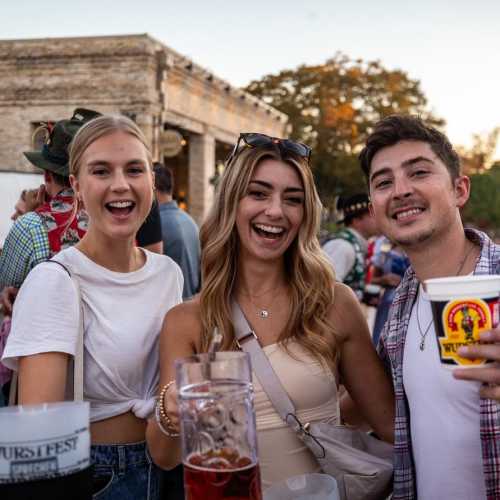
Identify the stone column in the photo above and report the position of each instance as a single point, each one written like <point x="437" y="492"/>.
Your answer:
<point x="201" y="169"/>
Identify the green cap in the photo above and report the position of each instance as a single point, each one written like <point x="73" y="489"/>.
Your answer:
<point x="54" y="154"/>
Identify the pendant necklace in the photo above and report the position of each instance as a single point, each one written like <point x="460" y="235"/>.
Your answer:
<point x="423" y="334"/>
<point x="262" y="312"/>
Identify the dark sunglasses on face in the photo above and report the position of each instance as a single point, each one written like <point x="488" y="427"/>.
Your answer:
<point x="255" y="140"/>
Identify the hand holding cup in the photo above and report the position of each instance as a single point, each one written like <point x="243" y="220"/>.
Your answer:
<point x="466" y="311"/>
<point x="488" y="348"/>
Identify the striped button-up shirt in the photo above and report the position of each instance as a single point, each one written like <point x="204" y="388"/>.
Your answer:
<point x="391" y="349"/>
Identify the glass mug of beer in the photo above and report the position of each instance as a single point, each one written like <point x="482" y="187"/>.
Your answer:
<point x="219" y="445"/>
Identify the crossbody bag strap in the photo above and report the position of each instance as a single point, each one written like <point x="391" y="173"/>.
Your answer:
<point x="78" y="358"/>
<point x="270" y="382"/>
<point x="248" y="342"/>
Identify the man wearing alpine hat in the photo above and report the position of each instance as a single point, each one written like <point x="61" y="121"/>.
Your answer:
<point x="54" y="225"/>
<point x="347" y="248"/>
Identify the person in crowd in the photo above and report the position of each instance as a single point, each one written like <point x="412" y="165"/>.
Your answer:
<point x="44" y="221"/>
<point x="125" y="294"/>
<point x="40" y="234"/>
<point x="446" y="438"/>
<point x="46" y="229"/>
<point x="29" y="200"/>
<point x="181" y="240"/>
<point x="260" y="247"/>
<point x="20" y="206"/>
<point x="149" y="235"/>
<point x="347" y="248"/>
<point x="389" y="265"/>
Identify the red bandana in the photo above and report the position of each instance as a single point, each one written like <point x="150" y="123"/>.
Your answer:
<point x="63" y="230"/>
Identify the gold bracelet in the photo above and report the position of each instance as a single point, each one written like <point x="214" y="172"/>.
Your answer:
<point x="165" y="430"/>
<point x="162" y="411"/>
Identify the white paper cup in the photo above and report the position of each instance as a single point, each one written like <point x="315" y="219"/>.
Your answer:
<point x="43" y="441"/>
<point x="463" y="307"/>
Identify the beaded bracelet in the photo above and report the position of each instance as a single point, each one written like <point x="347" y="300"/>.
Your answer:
<point x="160" y="425"/>
<point x="161" y="413"/>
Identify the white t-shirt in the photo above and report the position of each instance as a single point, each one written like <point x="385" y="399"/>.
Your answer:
<point x="445" y="419"/>
<point x="342" y="256"/>
<point x="123" y="314"/>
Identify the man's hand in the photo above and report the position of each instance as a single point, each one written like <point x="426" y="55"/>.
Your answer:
<point x="35" y="198"/>
<point x="7" y="299"/>
<point x="391" y="279"/>
<point x="489" y="348"/>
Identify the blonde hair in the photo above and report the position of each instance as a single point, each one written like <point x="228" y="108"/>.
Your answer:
<point x="97" y="128"/>
<point x="310" y="276"/>
<point x="89" y="133"/>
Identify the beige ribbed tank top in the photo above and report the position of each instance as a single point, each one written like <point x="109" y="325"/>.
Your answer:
<point x="313" y="391"/>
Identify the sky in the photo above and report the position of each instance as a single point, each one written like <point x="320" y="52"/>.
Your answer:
<point x="450" y="46"/>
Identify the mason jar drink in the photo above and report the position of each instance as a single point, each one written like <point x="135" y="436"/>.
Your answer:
<point x="218" y="433"/>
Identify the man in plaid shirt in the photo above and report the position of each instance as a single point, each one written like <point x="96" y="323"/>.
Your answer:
<point x="447" y="429"/>
<point x="38" y="235"/>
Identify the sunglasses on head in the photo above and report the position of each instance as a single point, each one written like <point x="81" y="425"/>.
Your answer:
<point x="255" y="140"/>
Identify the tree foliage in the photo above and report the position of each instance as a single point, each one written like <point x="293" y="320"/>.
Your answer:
<point x="483" y="207"/>
<point x="333" y="107"/>
<point x="479" y="157"/>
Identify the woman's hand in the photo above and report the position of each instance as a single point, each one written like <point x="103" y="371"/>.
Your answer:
<point x="175" y="342"/>
<point x="7" y="298"/>
<point x="391" y="280"/>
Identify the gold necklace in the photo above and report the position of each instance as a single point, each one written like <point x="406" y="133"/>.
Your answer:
<point x="262" y="312"/>
<point x="424" y="334"/>
<point x="243" y="292"/>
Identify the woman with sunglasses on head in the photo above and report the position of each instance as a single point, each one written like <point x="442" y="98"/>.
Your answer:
<point x="125" y="294"/>
<point x="260" y="248"/>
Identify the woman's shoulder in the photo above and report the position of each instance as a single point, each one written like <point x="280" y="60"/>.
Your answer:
<point x="47" y="294"/>
<point x="345" y="312"/>
<point x="161" y="262"/>
<point x="187" y="313"/>
<point x="185" y="319"/>
<point x="73" y="261"/>
<point x="57" y="269"/>
<point x="158" y="259"/>
<point x="343" y="296"/>
<point x="163" y="268"/>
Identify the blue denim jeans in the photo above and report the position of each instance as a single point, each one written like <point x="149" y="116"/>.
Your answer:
<point x="124" y="472"/>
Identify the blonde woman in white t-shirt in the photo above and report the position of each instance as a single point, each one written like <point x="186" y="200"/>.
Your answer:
<point x="125" y="292"/>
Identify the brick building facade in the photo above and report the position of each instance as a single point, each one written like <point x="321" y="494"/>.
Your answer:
<point x="45" y="79"/>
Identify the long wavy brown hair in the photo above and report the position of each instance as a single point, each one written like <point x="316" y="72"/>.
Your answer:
<point x="310" y="276"/>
